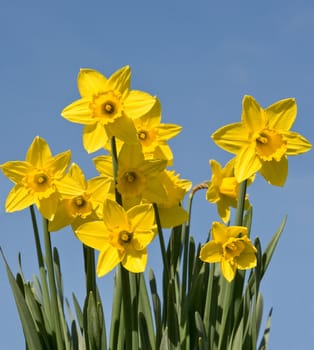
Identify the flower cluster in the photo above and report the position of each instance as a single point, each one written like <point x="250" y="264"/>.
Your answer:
<point x="115" y="212"/>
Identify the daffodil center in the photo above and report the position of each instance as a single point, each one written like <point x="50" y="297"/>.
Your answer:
<point x="270" y="145"/>
<point x="229" y="187"/>
<point x="79" y="201"/>
<point x="106" y="107"/>
<point x="142" y="135"/>
<point x="39" y="181"/>
<point x="233" y="249"/>
<point x="125" y="237"/>
<point x="130" y="176"/>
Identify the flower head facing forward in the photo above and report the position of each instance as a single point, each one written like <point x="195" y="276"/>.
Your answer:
<point x="122" y="236"/>
<point x="230" y="247"/>
<point x="107" y="107"/>
<point x="223" y="189"/>
<point x="263" y="140"/>
<point x="36" y="178"/>
<point x="81" y="199"/>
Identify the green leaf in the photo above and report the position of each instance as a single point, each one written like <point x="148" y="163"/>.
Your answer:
<point x="265" y="339"/>
<point x="31" y="335"/>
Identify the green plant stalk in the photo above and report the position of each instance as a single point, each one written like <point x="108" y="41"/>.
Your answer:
<point x="52" y="284"/>
<point x="232" y="291"/>
<point x="90" y="270"/>
<point x="131" y="339"/>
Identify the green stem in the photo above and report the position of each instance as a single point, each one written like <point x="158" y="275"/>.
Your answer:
<point x="90" y="270"/>
<point x="52" y="284"/>
<point x="37" y="239"/>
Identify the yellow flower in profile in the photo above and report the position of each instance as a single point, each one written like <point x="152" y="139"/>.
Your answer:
<point x="171" y="213"/>
<point x="263" y="140"/>
<point x="223" y="189"/>
<point x="137" y="178"/>
<point x="230" y="247"/>
<point x="122" y="236"/>
<point x="107" y="107"/>
<point x="81" y="199"/>
<point x="36" y="178"/>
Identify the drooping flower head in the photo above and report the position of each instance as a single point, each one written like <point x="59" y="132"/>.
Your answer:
<point x="171" y="212"/>
<point x="263" y="140"/>
<point x="36" y="178"/>
<point x="231" y="247"/>
<point x="107" y="107"/>
<point x="223" y="189"/>
<point x="81" y="199"/>
<point x="122" y="236"/>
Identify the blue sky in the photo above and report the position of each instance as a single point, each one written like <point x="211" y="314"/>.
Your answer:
<point x="199" y="58"/>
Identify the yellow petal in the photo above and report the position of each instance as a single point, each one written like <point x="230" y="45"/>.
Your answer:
<point x="296" y="143"/>
<point x="173" y="216"/>
<point x="228" y="269"/>
<point x="38" y="152"/>
<point x="16" y="170"/>
<point x="48" y="206"/>
<point x="94" y="137"/>
<point x="275" y="172"/>
<point x="142" y="217"/>
<point x="138" y="103"/>
<point x="130" y="157"/>
<point x="246" y="164"/>
<point x="135" y="261"/>
<point x="59" y="163"/>
<point x="247" y="258"/>
<point x="79" y="112"/>
<point x="253" y="115"/>
<point x="108" y="259"/>
<point x="90" y="82"/>
<point x="103" y="165"/>
<point x="168" y="131"/>
<point x="224" y="212"/>
<point x="93" y="234"/>
<point x="19" y="198"/>
<point x="120" y="80"/>
<point x="115" y="216"/>
<point x="281" y="115"/>
<point x="154" y="191"/>
<point x="211" y="252"/>
<point x="60" y="220"/>
<point x="232" y="137"/>
<point x="124" y="129"/>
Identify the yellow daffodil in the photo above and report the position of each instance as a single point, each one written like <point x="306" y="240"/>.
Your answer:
<point x="263" y="140"/>
<point x="107" y="107"/>
<point x="81" y="199"/>
<point x="137" y="178"/>
<point x="223" y="189"/>
<point x="170" y="211"/>
<point x="36" y="178"/>
<point x="122" y="236"/>
<point x="230" y="247"/>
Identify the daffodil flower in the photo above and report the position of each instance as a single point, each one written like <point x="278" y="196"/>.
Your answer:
<point x="36" y="179"/>
<point x="107" y="107"/>
<point x="223" y="189"/>
<point x="230" y="247"/>
<point x="137" y="178"/>
<point x="122" y="236"/>
<point x="81" y="199"/>
<point x="263" y="140"/>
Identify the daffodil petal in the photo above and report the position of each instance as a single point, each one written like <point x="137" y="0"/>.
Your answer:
<point x="16" y="170"/>
<point x="142" y="216"/>
<point x="223" y="209"/>
<point x="90" y="82"/>
<point x="124" y="129"/>
<point x="38" y="152"/>
<point x="232" y="137"/>
<point x="131" y="156"/>
<point x="108" y="259"/>
<point x="79" y="112"/>
<point x="60" y="220"/>
<point x="93" y="234"/>
<point x="135" y="261"/>
<point x="247" y="259"/>
<point x="94" y="137"/>
<point x="19" y="198"/>
<point x="168" y="131"/>
<point x="114" y="215"/>
<point x="211" y="252"/>
<point x="228" y="270"/>
<point x="120" y="80"/>
<point x="253" y="115"/>
<point x="48" y="206"/>
<point x="103" y="165"/>
<point x="246" y="164"/>
<point x="59" y="163"/>
<point x="275" y="172"/>
<point x="155" y="191"/>
<point x="173" y="216"/>
<point x="296" y="143"/>
<point x="281" y="115"/>
<point x="138" y="103"/>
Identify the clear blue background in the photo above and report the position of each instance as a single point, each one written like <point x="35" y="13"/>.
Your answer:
<point x="199" y="57"/>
